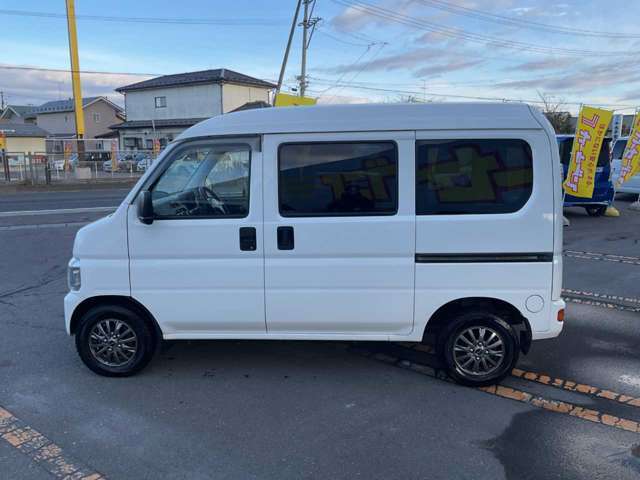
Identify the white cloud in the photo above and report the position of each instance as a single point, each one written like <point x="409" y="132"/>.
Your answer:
<point x="36" y="86"/>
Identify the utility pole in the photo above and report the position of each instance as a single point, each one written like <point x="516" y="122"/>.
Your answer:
<point x="308" y="23"/>
<point x="1" y="100"/>
<point x="75" y="76"/>
<point x="303" y="67"/>
<point x="286" y="51"/>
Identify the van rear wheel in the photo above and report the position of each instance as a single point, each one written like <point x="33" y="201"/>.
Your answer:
<point x="114" y="341"/>
<point x="479" y="349"/>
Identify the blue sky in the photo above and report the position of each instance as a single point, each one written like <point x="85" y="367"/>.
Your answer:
<point x="378" y="50"/>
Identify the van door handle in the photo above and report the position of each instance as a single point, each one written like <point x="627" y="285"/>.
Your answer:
<point x="247" y="238"/>
<point x="285" y="238"/>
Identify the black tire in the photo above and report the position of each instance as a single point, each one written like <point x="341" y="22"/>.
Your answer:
<point x="597" y="211"/>
<point x="144" y="340"/>
<point x="472" y="322"/>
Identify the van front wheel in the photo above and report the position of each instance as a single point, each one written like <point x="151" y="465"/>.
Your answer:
<point x="114" y="341"/>
<point x="479" y="349"/>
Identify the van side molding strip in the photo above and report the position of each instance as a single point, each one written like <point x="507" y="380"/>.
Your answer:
<point x="483" y="257"/>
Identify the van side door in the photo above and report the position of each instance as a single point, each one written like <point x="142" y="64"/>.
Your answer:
<point x="339" y="233"/>
<point x="198" y="267"/>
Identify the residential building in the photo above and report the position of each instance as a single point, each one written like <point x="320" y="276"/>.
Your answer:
<point x="17" y="114"/>
<point x="24" y="138"/>
<point x="161" y="108"/>
<point x="58" y="117"/>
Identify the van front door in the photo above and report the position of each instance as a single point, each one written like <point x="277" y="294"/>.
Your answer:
<point x="199" y="267"/>
<point x="339" y="237"/>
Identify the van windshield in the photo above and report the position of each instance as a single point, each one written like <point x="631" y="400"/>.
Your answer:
<point x="618" y="149"/>
<point x="566" y="144"/>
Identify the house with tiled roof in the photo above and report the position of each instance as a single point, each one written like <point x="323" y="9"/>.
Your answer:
<point x="58" y="117"/>
<point x="162" y="107"/>
<point x="17" y="114"/>
<point x="23" y="137"/>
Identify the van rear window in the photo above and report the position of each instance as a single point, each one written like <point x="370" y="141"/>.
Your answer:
<point x="481" y="176"/>
<point x="338" y="179"/>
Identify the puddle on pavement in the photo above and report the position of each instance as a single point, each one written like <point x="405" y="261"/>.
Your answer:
<point x="539" y="444"/>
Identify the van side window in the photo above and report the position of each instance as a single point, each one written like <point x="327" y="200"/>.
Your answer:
<point x="204" y="180"/>
<point x="338" y="179"/>
<point x="472" y="176"/>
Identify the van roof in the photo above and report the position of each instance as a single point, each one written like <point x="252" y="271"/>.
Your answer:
<point x="369" y="117"/>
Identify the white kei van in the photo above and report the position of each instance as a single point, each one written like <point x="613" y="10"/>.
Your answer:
<point x="438" y="223"/>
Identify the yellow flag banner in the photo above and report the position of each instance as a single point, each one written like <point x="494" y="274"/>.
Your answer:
<point x="631" y="158"/>
<point x="590" y="130"/>
<point x="2" y="141"/>
<point x="67" y="154"/>
<point x="114" y="156"/>
<point x="286" y="100"/>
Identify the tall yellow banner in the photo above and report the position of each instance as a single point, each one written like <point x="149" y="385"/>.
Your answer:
<point x="631" y="158"/>
<point x="590" y="130"/>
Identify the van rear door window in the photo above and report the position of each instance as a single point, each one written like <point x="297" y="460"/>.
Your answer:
<point x="481" y="176"/>
<point x="338" y="179"/>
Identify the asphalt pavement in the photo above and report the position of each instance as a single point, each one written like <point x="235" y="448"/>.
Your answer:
<point x="280" y="410"/>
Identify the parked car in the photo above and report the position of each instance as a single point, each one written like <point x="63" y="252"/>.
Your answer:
<point x="603" y="191"/>
<point x="421" y="222"/>
<point x="59" y="163"/>
<point x="107" y="166"/>
<point x="143" y="164"/>
<point x="633" y="184"/>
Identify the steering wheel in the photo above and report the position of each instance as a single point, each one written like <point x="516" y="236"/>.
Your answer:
<point x="212" y="199"/>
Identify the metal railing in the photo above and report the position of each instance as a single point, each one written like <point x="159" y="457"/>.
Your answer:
<point x="37" y="168"/>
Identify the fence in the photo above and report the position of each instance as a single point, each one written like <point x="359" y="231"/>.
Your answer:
<point x="47" y="168"/>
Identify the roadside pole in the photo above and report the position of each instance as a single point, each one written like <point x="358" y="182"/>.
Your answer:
<point x="75" y="78"/>
<point x="287" y="49"/>
<point x="3" y="158"/>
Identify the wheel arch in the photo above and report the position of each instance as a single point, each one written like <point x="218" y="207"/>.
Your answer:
<point x="505" y="310"/>
<point x="119" y="300"/>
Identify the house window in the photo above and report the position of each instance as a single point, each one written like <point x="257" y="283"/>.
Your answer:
<point x="161" y="102"/>
<point x="96" y="117"/>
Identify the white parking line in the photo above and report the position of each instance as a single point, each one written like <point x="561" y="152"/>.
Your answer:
<point x="59" y="211"/>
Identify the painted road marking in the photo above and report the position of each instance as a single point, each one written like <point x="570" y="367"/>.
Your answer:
<point x="556" y="406"/>
<point x="59" y="211"/>
<point x="577" y="387"/>
<point x="40" y="226"/>
<point x="594" y="303"/>
<point x="42" y="451"/>
<point x="603" y="296"/>
<point x="605" y="257"/>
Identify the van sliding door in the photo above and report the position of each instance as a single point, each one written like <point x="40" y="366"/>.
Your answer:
<point x="339" y="233"/>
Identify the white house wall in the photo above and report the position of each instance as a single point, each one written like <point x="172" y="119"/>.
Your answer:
<point x="195" y="101"/>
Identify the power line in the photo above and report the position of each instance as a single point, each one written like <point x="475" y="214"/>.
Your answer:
<point x="473" y="97"/>
<point x="360" y="70"/>
<point x="387" y="14"/>
<point x="66" y="70"/>
<point x="338" y="39"/>
<point x="513" y="21"/>
<point x="164" y="20"/>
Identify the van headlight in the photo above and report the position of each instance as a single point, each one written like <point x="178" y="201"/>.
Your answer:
<point x="73" y="275"/>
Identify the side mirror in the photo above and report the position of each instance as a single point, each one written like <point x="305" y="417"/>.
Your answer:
<point x="145" y="207"/>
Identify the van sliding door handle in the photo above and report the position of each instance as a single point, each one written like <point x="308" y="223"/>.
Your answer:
<point x="247" y="238"/>
<point x="285" y="238"/>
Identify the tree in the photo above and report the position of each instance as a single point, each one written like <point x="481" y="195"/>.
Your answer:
<point x="552" y="108"/>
